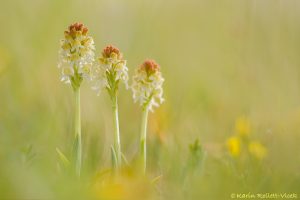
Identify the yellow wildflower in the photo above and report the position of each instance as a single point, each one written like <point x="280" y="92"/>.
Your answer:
<point x="234" y="146"/>
<point x="257" y="150"/>
<point x="242" y="126"/>
<point x="127" y="186"/>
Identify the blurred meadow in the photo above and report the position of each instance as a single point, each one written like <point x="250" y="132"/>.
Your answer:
<point x="232" y="81"/>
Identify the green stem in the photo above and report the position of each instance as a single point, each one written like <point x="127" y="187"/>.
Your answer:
<point x="144" y="139"/>
<point x="78" y="131"/>
<point x="117" y="144"/>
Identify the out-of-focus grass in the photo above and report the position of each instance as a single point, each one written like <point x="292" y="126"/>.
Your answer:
<point x="221" y="61"/>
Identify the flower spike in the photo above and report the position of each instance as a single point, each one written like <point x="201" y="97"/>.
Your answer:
<point x="76" y="59"/>
<point x="147" y="90"/>
<point x="147" y="85"/>
<point x="108" y="74"/>
<point x="76" y="55"/>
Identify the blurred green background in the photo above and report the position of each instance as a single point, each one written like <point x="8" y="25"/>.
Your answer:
<point x="221" y="60"/>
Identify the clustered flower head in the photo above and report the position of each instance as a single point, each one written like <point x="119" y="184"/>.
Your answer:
<point x="147" y="85"/>
<point x="111" y="70"/>
<point x="76" y="54"/>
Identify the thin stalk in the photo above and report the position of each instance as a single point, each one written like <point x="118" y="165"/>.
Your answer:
<point x="117" y="144"/>
<point x="143" y="144"/>
<point x="78" y="147"/>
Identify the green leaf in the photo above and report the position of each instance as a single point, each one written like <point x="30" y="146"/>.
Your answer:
<point x="156" y="179"/>
<point x="63" y="158"/>
<point x="113" y="158"/>
<point x="196" y="157"/>
<point x="124" y="159"/>
<point x="100" y="174"/>
<point x="75" y="148"/>
<point x="28" y="154"/>
<point x="76" y="157"/>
